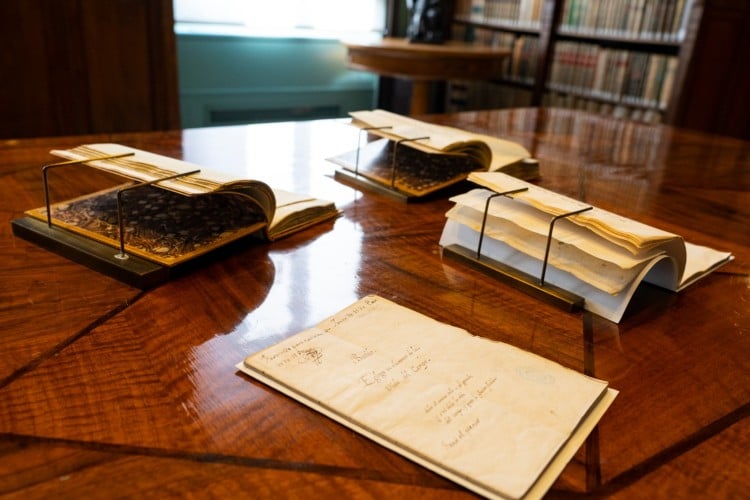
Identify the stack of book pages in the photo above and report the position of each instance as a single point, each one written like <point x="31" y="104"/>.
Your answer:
<point x="595" y="254"/>
<point x="418" y="159"/>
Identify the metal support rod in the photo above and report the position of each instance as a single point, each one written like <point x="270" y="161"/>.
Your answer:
<point x="393" y="160"/>
<point x="359" y="141"/>
<point x="549" y="238"/>
<point x="486" y="210"/>
<point x="65" y="163"/>
<point x="120" y="218"/>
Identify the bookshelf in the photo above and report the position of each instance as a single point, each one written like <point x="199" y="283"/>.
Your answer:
<point x="625" y="58"/>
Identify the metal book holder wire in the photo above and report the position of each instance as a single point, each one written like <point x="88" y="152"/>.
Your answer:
<point x="127" y="267"/>
<point x="532" y="285"/>
<point x="387" y="188"/>
<point x="359" y="144"/>
<point x="120" y="213"/>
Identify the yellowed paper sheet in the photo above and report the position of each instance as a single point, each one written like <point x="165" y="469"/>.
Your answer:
<point x="487" y="415"/>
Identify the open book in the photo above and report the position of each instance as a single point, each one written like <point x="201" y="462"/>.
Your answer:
<point x="597" y="255"/>
<point x="498" y="420"/>
<point x="192" y="212"/>
<point x="428" y="157"/>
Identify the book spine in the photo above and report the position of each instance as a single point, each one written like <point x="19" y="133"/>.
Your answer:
<point x="621" y="18"/>
<point x="647" y="21"/>
<point x="636" y="18"/>
<point x="477" y="10"/>
<point x="666" y="92"/>
<point x="666" y="23"/>
<point x="597" y="89"/>
<point x="591" y="17"/>
<point x="680" y="21"/>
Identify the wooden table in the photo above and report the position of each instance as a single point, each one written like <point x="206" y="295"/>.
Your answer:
<point x="423" y="63"/>
<point x="106" y="390"/>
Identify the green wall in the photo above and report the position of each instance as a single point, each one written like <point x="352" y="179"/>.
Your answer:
<point x="239" y="79"/>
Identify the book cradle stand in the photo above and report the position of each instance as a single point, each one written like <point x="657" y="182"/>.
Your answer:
<point x="129" y="268"/>
<point x="531" y="285"/>
<point x="358" y="180"/>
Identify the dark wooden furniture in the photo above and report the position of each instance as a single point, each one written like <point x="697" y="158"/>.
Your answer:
<point x="85" y="66"/>
<point x="424" y="63"/>
<point x="714" y="95"/>
<point x="106" y="390"/>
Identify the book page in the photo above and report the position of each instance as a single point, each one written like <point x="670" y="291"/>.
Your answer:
<point x="701" y="261"/>
<point x="438" y="137"/>
<point x="633" y="235"/>
<point x="574" y="248"/>
<point x="296" y="211"/>
<point x="144" y="166"/>
<point x="485" y="414"/>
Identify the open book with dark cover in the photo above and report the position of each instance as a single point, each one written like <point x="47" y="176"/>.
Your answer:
<point x="170" y="222"/>
<point x="597" y="255"/>
<point x="428" y="157"/>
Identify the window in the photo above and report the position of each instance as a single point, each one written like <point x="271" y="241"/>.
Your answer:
<point x="306" y="18"/>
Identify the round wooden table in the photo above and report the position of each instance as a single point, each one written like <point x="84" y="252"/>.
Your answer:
<point x="424" y="63"/>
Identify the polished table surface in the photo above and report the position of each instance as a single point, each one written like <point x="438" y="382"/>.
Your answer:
<point x="107" y="390"/>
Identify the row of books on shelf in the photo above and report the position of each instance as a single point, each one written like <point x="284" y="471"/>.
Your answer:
<point x="521" y="66"/>
<point x="524" y="59"/>
<point x="663" y="20"/>
<point x="465" y="95"/>
<point x="629" y="77"/>
<point x="525" y="13"/>
<point x="643" y="19"/>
